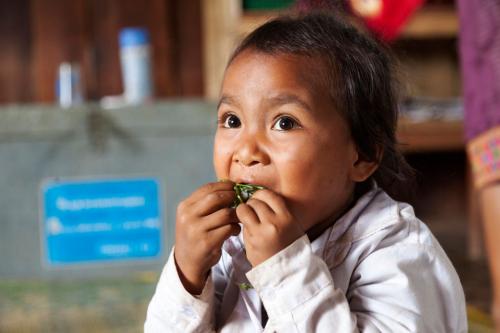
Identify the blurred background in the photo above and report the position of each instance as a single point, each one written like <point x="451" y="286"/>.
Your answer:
<point x="107" y="111"/>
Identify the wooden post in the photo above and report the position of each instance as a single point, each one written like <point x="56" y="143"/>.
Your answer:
<point x="220" y="22"/>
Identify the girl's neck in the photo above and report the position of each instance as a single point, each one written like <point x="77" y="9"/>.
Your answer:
<point x="316" y="230"/>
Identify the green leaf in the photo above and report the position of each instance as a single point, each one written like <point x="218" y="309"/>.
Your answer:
<point x="245" y="286"/>
<point x="244" y="192"/>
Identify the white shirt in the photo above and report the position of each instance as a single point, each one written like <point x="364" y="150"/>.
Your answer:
<point x="377" y="269"/>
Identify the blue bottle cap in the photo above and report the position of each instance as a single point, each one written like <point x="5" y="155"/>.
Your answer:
<point x="133" y="36"/>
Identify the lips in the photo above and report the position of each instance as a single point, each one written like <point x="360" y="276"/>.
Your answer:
<point x="250" y="181"/>
<point x="244" y="192"/>
<point x="253" y="177"/>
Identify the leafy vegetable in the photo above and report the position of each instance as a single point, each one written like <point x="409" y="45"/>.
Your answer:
<point x="244" y="192"/>
<point x="245" y="286"/>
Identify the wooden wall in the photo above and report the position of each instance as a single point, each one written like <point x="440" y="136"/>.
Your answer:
<point x="15" y="49"/>
<point x="37" y="35"/>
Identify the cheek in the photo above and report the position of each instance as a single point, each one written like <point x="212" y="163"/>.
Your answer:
<point x="312" y="176"/>
<point x="314" y="181"/>
<point x="297" y="167"/>
<point x="304" y="161"/>
<point x="221" y="157"/>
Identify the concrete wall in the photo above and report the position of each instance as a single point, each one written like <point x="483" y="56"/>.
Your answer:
<point x="169" y="140"/>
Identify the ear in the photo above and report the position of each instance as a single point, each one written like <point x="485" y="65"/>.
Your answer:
<point x="362" y="169"/>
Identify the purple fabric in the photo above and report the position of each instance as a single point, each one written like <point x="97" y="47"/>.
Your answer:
<point x="480" y="63"/>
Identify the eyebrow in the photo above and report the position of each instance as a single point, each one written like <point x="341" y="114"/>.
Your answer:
<point x="282" y="99"/>
<point x="277" y="100"/>
<point x="226" y="99"/>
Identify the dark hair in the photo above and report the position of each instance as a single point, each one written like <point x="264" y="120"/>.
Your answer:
<point x="361" y="82"/>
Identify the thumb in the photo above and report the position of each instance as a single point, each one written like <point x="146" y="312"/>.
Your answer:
<point x="247" y="216"/>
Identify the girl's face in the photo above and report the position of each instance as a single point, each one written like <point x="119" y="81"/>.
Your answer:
<point x="278" y="128"/>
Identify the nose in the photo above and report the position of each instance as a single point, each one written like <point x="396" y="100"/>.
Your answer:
<point x="250" y="152"/>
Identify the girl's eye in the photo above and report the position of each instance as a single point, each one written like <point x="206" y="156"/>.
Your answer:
<point x="232" y="121"/>
<point x="285" y="124"/>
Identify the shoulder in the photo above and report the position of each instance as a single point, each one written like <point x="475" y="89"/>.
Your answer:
<point x="384" y="221"/>
<point x="384" y="234"/>
<point x="375" y="222"/>
<point x="392" y="252"/>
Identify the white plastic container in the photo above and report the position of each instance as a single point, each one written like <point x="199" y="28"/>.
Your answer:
<point x="135" y="58"/>
<point x="69" y="85"/>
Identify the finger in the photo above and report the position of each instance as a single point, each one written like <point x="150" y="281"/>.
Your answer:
<point x="204" y="190"/>
<point x="219" y="218"/>
<point x="220" y="234"/>
<point x="262" y="209"/>
<point x="214" y="201"/>
<point x="247" y="216"/>
<point x="273" y="200"/>
<point x="246" y="236"/>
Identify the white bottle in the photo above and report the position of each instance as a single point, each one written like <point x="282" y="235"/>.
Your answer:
<point x="135" y="58"/>
<point x="69" y="86"/>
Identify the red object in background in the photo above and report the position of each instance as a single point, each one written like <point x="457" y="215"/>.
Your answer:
<point x="385" y="18"/>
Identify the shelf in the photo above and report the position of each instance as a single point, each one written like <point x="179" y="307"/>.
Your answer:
<point x="225" y="24"/>
<point x="428" y="22"/>
<point x="432" y="22"/>
<point x="431" y="135"/>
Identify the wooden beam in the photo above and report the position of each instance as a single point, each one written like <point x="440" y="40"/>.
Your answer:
<point x="432" y="22"/>
<point x="57" y="35"/>
<point x="15" y="38"/>
<point x="432" y="135"/>
<point x="220" y="27"/>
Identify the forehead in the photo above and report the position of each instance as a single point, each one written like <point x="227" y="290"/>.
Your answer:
<point x="282" y="69"/>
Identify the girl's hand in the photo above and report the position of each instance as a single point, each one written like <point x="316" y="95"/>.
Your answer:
<point x="203" y="222"/>
<point x="269" y="227"/>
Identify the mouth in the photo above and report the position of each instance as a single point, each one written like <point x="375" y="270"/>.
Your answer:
<point x="245" y="188"/>
<point x="250" y="182"/>
<point x="259" y="179"/>
<point x="244" y="192"/>
<point x="253" y="184"/>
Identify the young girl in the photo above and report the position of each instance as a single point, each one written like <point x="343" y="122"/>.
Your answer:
<point x="308" y="111"/>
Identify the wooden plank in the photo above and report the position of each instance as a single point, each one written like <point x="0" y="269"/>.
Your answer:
<point x="165" y="72"/>
<point x="58" y="30"/>
<point x="428" y="136"/>
<point x="432" y="22"/>
<point x="189" y="47"/>
<point x="15" y="38"/>
<point x="109" y="17"/>
<point x="38" y="35"/>
<point x="220" y="31"/>
<point x="175" y="34"/>
<point x="104" y="19"/>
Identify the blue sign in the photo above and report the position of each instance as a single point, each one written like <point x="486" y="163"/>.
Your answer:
<point x="101" y="220"/>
